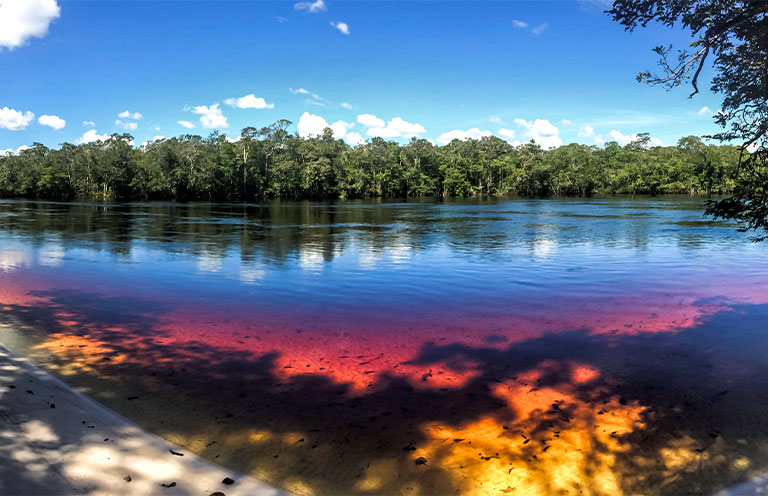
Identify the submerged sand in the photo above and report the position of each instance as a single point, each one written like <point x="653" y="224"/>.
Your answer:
<point x="56" y="441"/>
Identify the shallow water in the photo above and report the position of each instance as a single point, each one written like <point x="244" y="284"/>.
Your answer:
<point x="601" y="346"/>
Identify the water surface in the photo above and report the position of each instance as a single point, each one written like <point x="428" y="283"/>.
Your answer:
<point x="599" y="346"/>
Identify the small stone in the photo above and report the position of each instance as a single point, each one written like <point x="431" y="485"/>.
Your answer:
<point x="218" y="493"/>
<point x="228" y="481"/>
<point x="421" y="461"/>
<point x="53" y="405"/>
<point x="176" y="453"/>
<point x="127" y="478"/>
<point x="172" y="484"/>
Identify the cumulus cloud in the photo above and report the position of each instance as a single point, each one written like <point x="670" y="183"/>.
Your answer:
<point x="11" y="151"/>
<point x="496" y="119"/>
<point x="127" y="114"/>
<point x="52" y="121"/>
<point x="370" y="120"/>
<point x="186" y="124"/>
<point x="89" y="123"/>
<point x="346" y="105"/>
<point x="314" y="125"/>
<point x="624" y="139"/>
<point x="566" y="122"/>
<point x="542" y="132"/>
<point x="154" y="138"/>
<point x="211" y="116"/>
<point x="540" y="28"/>
<point x="519" y="24"/>
<point x="313" y="7"/>
<point x="127" y="125"/>
<point x="15" y="120"/>
<point x="24" y="19"/>
<point x="354" y="139"/>
<point x="705" y="111"/>
<point x="249" y="102"/>
<point x="91" y="136"/>
<point x="586" y="131"/>
<point x="343" y="27"/>
<point x="507" y="134"/>
<point x="473" y="133"/>
<point x="395" y="128"/>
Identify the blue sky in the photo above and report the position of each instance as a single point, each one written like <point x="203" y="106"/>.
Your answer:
<point x="552" y="71"/>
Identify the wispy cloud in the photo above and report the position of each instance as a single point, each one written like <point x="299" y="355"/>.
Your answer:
<point x="312" y="7"/>
<point x="540" y="28"/>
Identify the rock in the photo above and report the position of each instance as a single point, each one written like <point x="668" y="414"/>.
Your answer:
<point x="421" y="461"/>
<point x="127" y="478"/>
<point x="228" y="481"/>
<point x="172" y="484"/>
<point x="176" y="453"/>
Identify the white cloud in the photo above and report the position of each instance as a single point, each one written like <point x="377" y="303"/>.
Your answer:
<point x="343" y="27"/>
<point x="128" y="125"/>
<point x="249" y="102"/>
<point x="540" y="28"/>
<point x="314" y="7"/>
<point x="314" y="125"/>
<point x="23" y="19"/>
<point x="705" y="111"/>
<point x="587" y="131"/>
<point x="346" y="105"/>
<point x="508" y="134"/>
<point x="496" y="119"/>
<point x="473" y="133"/>
<point x="127" y="114"/>
<point x="370" y="120"/>
<point x="11" y="151"/>
<point x="89" y="123"/>
<point x="354" y="139"/>
<point x="542" y="132"/>
<point x="154" y="138"/>
<point x="91" y="136"/>
<point x="155" y="127"/>
<point x="186" y="124"/>
<point x="315" y="100"/>
<point x="624" y="139"/>
<point x="281" y="19"/>
<point x="519" y="24"/>
<point x="395" y="128"/>
<point x="566" y="122"/>
<point x="210" y="116"/>
<point x="52" y="121"/>
<point x="15" y="120"/>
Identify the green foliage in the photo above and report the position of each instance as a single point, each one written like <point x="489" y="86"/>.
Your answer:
<point x="732" y="34"/>
<point x="270" y="163"/>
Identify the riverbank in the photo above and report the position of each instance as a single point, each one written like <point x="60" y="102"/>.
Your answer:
<point x="56" y="441"/>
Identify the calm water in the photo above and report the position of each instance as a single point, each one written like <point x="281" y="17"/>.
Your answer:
<point x="600" y="346"/>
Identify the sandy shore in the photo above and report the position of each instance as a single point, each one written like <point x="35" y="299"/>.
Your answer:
<point x="56" y="441"/>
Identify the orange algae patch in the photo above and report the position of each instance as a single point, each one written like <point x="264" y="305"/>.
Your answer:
<point x="555" y="442"/>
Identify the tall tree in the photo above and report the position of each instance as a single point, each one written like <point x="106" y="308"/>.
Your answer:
<point x="733" y="36"/>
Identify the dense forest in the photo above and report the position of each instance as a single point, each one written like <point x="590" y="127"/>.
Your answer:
<point x="272" y="163"/>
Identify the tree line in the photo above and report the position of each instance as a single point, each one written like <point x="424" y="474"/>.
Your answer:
<point x="272" y="163"/>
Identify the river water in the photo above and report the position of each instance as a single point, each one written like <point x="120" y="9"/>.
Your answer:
<point x="600" y="346"/>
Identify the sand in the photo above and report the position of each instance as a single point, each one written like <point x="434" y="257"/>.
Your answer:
<point x="56" y="441"/>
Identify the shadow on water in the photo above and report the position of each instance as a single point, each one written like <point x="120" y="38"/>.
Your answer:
<point x="679" y="412"/>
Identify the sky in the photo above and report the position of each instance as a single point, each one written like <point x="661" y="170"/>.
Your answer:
<point x="554" y="71"/>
